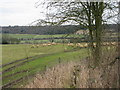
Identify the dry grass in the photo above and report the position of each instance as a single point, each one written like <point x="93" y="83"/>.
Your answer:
<point x="56" y="77"/>
<point x="79" y="75"/>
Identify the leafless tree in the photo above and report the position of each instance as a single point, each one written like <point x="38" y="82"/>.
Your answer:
<point x="91" y="15"/>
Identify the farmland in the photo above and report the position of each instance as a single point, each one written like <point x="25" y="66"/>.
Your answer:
<point x="40" y="58"/>
<point x="28" y="36"/>
<point x="35" y="38"/>
<point x="22" y="61"/>
<point x="56" y="44"/>
<point x="16" y="52"/>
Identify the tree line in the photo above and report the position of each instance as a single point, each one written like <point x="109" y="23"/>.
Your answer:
<point x="49" y="30"/>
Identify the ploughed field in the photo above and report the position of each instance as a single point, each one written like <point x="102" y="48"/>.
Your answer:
<point x="22" y="61"/>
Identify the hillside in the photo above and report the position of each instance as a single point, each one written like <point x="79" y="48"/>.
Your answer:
<point x="42" y="30"/>
<point x="51" y="30"/>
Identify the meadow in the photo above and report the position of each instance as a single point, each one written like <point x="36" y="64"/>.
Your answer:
<point x="29" y="36"/>
<point x="21" y="62"/>
<point x="16" y="52"/>
<point x="40" y="59"/>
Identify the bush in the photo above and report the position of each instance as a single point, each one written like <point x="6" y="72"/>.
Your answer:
<point x="6" y="39"/>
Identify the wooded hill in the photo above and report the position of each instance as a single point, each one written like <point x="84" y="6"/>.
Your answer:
<point x="45" y="30"/>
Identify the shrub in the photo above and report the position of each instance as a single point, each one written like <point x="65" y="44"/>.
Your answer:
<point x="6" y="39"/>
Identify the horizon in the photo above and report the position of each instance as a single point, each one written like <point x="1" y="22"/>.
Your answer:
<point x="48" y="25"/>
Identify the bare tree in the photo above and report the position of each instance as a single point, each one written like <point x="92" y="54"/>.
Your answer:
<point x="91" y="15"/>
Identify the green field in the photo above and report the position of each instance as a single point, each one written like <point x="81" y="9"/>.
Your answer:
<point x="29" y="36"/>
<point x="26" y="36"/>
<point x="37" y="59"/>
<point x="48" y="56"/>
<point x="15" y="52"/>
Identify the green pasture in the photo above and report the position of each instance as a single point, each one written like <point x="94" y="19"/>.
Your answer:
<point x="30" y="36"/>
<point x="36" y="36"/>
<point x="54" y="55"/>
<point x="27" y="36"/>
<point x="49" y="55"/>
<point x="42" y="41"/>
<point x="19" y="51"/>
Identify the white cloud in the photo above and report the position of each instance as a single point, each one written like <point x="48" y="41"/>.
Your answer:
<point x="19" y="12"/>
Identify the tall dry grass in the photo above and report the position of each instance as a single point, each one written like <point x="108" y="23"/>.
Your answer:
<point x="81" y="74"/>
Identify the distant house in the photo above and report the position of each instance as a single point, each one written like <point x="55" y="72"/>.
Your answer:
<point x="83" y="32"/>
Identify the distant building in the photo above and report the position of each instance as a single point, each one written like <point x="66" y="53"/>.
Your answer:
<point x="82" y="32"/>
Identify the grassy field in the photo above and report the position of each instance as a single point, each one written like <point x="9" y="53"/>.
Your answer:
<point x="42" y="57"/>
<point x="28" y="36"/>
<point x="35" y="36"/>
<point x="15" y="52"/>
<point x="48" y="57"/>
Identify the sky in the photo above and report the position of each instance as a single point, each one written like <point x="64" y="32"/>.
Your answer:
<point x="19" y="12"/>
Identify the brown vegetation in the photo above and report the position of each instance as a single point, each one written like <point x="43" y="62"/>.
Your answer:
<point x="80" y="74"/>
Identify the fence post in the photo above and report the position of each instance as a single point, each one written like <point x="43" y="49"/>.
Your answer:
<point x="59" y="60"/>
<point x="45" y="67"/>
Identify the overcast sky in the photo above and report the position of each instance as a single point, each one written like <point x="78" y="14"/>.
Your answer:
<point x="19" y="12"/>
